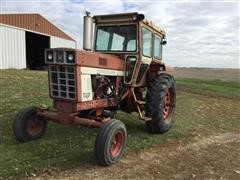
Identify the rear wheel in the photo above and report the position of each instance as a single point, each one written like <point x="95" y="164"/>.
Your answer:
<point x="28" y="126"/>
<point x="160" y="106"/>
<point x="110" y="142"/>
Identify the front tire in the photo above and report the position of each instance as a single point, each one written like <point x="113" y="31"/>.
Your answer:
<point x="110" y="142"/>
<point x="161" y="100"/>
<point x="28" y="126"/>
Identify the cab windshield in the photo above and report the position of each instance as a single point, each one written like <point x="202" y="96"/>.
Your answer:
<point x="117" y="38"/>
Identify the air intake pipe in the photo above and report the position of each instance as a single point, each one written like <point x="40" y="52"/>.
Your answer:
<point x="87" y="32"/>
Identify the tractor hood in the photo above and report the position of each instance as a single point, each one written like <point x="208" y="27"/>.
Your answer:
<point x="99" y="60"/>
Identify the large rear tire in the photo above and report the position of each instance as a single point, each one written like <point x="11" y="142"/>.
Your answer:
<point x="110" y="142"/>
<point x="28" y="126"/>
<point x="161" y="100"/>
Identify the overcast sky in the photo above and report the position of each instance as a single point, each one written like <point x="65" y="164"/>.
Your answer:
<point x="200" y="33"/>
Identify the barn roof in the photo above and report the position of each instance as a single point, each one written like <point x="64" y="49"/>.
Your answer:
<point x="33" y="22"/>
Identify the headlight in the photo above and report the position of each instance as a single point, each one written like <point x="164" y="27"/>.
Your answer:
<point x="134" y="17"/>
<point x="50" y="56"/>
<point x="70" y="57"/>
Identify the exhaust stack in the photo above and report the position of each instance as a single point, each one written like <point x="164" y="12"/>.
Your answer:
<point x="87" y="31"/>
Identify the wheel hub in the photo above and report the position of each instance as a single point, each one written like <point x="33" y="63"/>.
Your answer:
<point x="117" y="142"/>
<point x="167" y="101"/>
<point x="34" y="125"/>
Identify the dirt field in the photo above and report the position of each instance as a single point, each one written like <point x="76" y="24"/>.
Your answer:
<point x="205" y="157"/>
<point x="209" y="151"/>
<point x="208" y="73"/>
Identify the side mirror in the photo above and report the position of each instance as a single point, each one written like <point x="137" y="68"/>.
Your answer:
<point x="164" y="42"/>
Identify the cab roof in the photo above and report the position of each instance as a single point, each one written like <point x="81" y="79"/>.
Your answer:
<point x="127" y="17"/>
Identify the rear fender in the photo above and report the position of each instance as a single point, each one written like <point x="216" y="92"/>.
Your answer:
<point x="155" y="69"/>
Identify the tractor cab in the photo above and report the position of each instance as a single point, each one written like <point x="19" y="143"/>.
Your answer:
<point x="129" y="36"/>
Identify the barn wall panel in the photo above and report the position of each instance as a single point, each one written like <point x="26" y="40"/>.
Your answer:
<point x="12" y="48"/>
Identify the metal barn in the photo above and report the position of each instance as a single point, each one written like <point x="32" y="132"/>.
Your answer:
<point x="24" y="37"/>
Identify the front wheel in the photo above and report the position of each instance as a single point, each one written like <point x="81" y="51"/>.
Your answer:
<point x="110" y="142"/>
<point x="161" y="100"/>
<point x="28" y="126"/>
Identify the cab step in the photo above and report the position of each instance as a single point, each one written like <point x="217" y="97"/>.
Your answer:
<point x="146" y="118"/>
<point x="141" y="102"/>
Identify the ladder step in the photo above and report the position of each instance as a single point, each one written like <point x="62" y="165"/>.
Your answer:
<point x="141" y="102"/>
<point x="146" y="118"/>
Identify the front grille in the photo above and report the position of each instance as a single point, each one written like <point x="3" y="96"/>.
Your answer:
<point x="62" y="81"/>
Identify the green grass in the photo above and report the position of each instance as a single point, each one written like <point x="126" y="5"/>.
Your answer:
<point x="210" y="87"/>
<point x="64" y="147"/>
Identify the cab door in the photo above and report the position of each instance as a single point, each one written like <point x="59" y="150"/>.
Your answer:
<point x="146" y="53"/>
<point x="151" y="52"/>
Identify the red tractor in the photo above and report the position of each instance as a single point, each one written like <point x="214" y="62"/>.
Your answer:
<point x="121" y="69"/>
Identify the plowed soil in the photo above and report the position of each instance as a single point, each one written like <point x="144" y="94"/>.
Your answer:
<point x="208" y="73"/>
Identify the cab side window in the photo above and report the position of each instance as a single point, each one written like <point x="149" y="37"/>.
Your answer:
<point x="157" y="53"/>
<point x="147" y="42"/>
